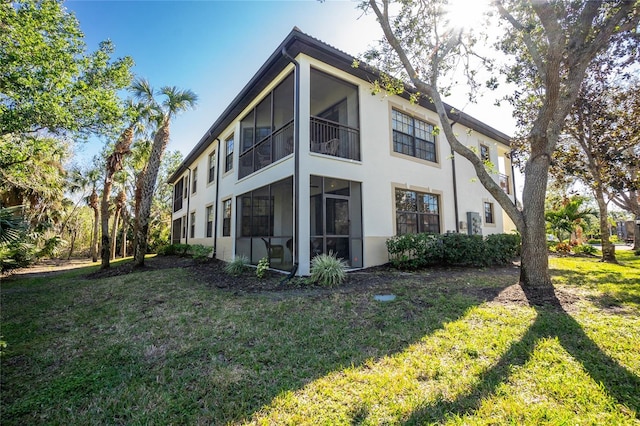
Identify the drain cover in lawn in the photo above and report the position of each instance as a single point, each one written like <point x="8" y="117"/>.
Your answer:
<point x="384" y="297"/>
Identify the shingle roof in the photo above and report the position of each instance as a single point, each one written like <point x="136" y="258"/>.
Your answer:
<point x="295" y="43"/>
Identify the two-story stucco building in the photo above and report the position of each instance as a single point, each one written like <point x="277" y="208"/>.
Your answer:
<point x="305" y="160"/>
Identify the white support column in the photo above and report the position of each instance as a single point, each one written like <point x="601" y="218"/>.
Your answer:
<point x="303" y="201"/>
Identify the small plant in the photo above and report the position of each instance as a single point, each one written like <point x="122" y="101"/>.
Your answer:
<point x="262" y="268"/>
<point x="236" y="267"/>
<point x="563" y="248"/>
<point x="327" y="270"/>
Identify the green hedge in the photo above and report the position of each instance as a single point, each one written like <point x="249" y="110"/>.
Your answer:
<point x="196" y="251"/>
<point x="412" y="251"/>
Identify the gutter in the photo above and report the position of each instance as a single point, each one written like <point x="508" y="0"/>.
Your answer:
<point x="216" y="198"/>
<point x="513" y="180"/>
<point x="186" y="233"/>
<point x="296" y="161"/>
<point x="455" y="185"/>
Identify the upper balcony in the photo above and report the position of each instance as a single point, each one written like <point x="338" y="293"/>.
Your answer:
<point x="333" y="127"/>
<point x="331" y="138"/>
<point x="266" y="132"/>
<point x="504" y="183"/>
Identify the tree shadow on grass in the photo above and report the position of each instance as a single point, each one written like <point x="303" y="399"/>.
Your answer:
<point x="552" y="321"/>
<point x="232" y="361"/>
<point x="626" y="290"/>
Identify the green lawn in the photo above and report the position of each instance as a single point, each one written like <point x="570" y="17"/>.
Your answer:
<point x="160" y="347"/>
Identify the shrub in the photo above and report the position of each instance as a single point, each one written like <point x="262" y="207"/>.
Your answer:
<point x="199" y="252"/>
<point x="262" y="268"/>
<point x="327" y="270"/>
<point x="584" y="249"/>
<point x="503" y="248"/>
<point x="236" y="267"/>
<point x="51" y="247"/>
<point x="166" y="250"/>
<point x="461" y="249"/>
<point x="402" y="251"/>
<point x="17" y="254"/>
<point x="173" y="249"/>
<point x="413" y="251"/>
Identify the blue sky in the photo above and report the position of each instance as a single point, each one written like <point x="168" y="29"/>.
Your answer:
<point x="215" y="47"/>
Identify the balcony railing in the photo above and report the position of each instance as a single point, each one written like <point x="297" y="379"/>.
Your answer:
<point x="274" y="147"/>
<point x="331" y="138"/>
<point x="504" y="183"/>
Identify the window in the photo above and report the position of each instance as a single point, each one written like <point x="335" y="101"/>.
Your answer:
<point x="186" y="187"/>
<point x="228" y="163"/>
<point x="226" y="218"/>
<point x="488" y="213"/>
<point x="484" y="152"/>
<point x="177" y="195"/>
<point x="417" y="212"/>
<point x="194" y="180"/>
<point x="209" y="219"/>
<point x="184" y="226"/>
<point x="413" y="137"/>
<point x="212" y="167"/>
<point x="192" y="225"/>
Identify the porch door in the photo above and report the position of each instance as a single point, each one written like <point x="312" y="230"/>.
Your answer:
<point x="337" y="226"/>
<point x="336" y="219"/>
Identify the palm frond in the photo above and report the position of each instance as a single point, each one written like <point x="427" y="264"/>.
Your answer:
<point x="142" y="90"/>
<point x="12" y="224"/>
<point x="177" y="100"/>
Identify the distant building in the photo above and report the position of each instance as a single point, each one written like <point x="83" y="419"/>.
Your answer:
<point x="306" y="161"/>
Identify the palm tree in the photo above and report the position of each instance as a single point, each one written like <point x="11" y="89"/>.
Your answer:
<point x="175" y="101"/>
<point x="137" y="111"/>
<point x="120" y="201"/>
<point x="568" y="216"/>
<point x="93" y="175"/>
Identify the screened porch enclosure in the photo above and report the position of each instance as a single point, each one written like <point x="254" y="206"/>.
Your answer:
<point x="334" y="121"/>
<point x="266" y="132"/>
<point x="265" y="224"/>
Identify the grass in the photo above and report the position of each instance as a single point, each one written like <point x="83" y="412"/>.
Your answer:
<point x="159" y="347"/>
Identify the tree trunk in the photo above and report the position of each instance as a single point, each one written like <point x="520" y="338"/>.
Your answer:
<point x="534" y="271"/>
<point x="93" y="203"/>
<point x="94" y="238"/>
<point x="160" y="141"/>
<point x="105" y="252"/>
<point x="74" y="234"/>
<point x="136" y="206"/>
<point x="608" y="249"/>
<point x="114" y="232"/>
<point x="125" y="225"/>
<point x="636" y="234"/>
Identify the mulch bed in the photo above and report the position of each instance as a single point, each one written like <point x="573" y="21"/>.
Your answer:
<point x="375" y="279"/>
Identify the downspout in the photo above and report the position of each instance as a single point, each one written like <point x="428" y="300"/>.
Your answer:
<point x="455" y="186"/>
<point x="513" y="180"/>
<point x="215" y="208"/>
<point x="296" y="162"/>
<point x="186" y="233"/>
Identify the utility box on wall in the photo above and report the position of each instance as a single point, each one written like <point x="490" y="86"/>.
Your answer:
<point x="474" y="223"/>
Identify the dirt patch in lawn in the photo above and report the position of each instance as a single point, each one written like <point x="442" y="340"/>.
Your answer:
<point x="376" y="279"/>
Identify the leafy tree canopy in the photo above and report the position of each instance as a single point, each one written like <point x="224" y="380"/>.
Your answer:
<point x="47" y="80"/>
